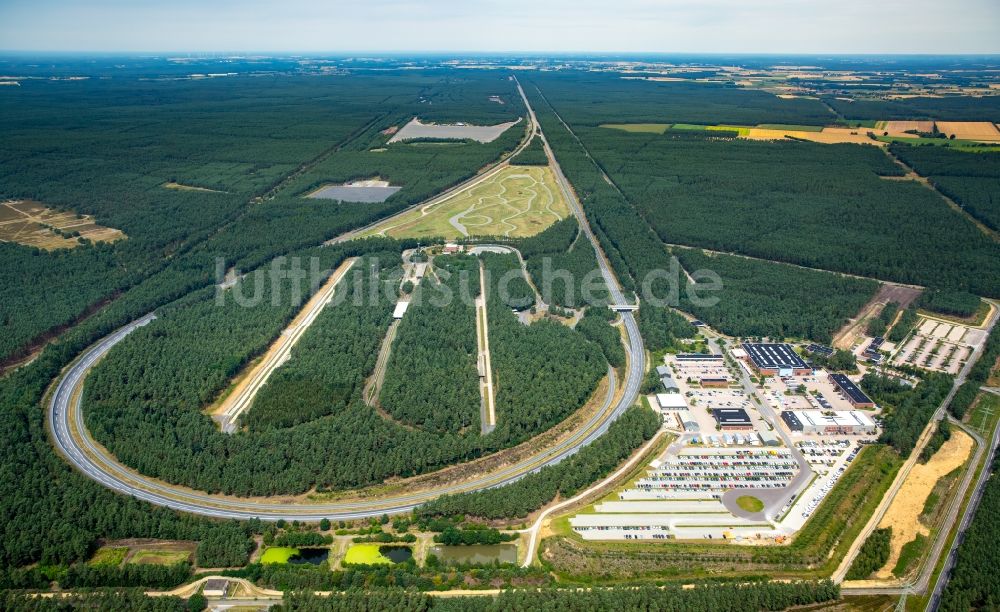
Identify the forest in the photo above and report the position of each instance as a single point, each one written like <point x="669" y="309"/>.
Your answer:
<point x="595" y="325"/>
<point x="939" y="108"/>
<point x="563" y="265"/>
<point x="762" y="298"/>
<point x="431" y="380"/>
<point x="818" y="205"/>
<point x="542" y="372"/>
<point x="532" y="155"/>
<point x="906" y="410"/>
<point x="661" y="328"/>
<point x="878" y="325"/>
<point x="749" y="597"/>
<point x="252" y="143"/>
<point x="757" y="298"/>
<point x="872" y="555"/>
<point x="504" y="272"/>
<point x="144" y="400"/>
<point x="593" y="98"/>
<point x="327" y="367"/>
<point x="972" y="180"/>
<point x="973" y="584"/>
<point x="593" y="462"/>
<point x="903" y="326"/>
<point x="949" y="302"/>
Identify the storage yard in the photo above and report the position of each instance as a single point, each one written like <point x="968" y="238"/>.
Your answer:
<point x="939" y="346"/>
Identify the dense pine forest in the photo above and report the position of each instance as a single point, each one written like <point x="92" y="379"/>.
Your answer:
<point x="436" y="342"/>
<point x="258" y="146"/>
<point x="761" y="298"/>
<point x="973" y="584"/>
<point x="972" y="180"/>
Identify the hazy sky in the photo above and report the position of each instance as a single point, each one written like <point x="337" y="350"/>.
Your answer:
<point x="753" y="26"/>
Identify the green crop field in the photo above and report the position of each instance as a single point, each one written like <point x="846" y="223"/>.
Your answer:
<point x="515" y="203"/>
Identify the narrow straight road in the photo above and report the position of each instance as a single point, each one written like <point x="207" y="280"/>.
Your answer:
<point x="74" y="442"/>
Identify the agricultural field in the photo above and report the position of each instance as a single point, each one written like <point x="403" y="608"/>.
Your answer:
<point x="32" y="224"/>
<point x="516" y="202"/>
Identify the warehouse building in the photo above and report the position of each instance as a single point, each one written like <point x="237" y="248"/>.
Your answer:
<point x="685" y="420"/>
<point x="732" y="419"/>
<point x="775" y="359"/>
<point x="671" y="401"/>
<point x="667" y="378"/>
<point x="842" y="422"/>
<point x="769" y="438"/>
<point x="853" y="393"/>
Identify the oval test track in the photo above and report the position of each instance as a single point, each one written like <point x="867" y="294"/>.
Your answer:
<point x="74" y="442"/>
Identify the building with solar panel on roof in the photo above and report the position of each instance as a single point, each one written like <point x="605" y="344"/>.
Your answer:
<point x="775" y="359"/>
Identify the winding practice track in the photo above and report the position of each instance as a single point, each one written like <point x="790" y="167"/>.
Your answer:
<point x="74" y="442"/>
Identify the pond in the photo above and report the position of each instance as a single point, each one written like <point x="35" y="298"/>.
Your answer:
<point x="396" y="554"/>
<point x="310" y="556"/>
<point x="377" y="554"/>
<point x="476" y="555"/>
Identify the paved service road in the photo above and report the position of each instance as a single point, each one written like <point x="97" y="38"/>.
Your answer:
<point x="74" y="442"/>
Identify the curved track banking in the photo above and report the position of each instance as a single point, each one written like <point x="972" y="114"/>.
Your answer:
<point x="73" y="441"/>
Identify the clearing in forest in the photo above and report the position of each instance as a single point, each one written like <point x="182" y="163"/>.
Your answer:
<point x="515" y="202"/>
<point x="32" y="224"/>
<point x="415" y="130"/>
<point x="638" y="128"/>
<point x="904" y="512"/>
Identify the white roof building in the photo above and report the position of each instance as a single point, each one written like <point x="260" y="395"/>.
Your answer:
<point x="671" y="401"/>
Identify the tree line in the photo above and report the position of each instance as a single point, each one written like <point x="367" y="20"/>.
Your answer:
<point x="707" y="597"/>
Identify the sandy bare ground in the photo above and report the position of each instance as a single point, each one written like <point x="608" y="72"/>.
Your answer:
<point x="33" y="224"/>
<point x="970" y="130"/>
<point x="903" y="514"/>
<point x="856" y="327"/>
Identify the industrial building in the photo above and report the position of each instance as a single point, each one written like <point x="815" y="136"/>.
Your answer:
<point x="671" y="401"/>
<point x="732" y="419"/>
<point x="667" y="378"/>
<point x="215" y="587"/>
<point x="684" y="419"/>
<point x="400" y="309"/>
<point x="842" y="422"/>
<point x="853" y="393"/>
<point x="769" y="438"/>
<point x="775" y="359"/>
